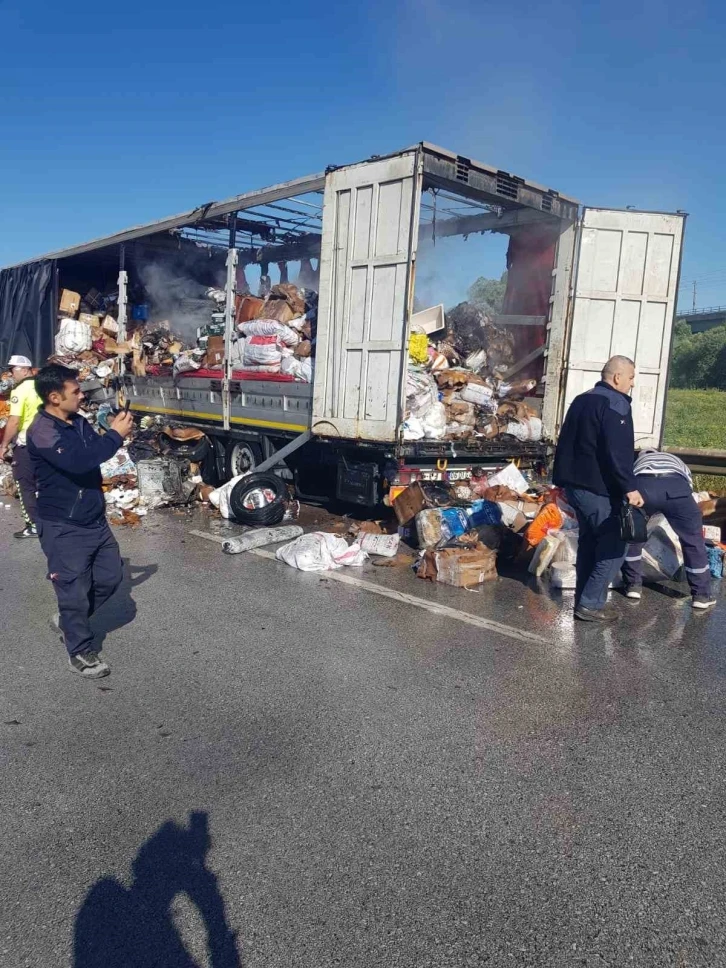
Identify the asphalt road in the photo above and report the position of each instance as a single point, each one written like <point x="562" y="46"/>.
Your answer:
<point x="285" y="770"/>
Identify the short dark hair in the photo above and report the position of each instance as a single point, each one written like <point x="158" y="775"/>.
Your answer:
<point x="52" y="379"/>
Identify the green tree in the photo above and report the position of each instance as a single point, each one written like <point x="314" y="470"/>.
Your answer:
<point x="681" y="333"/>
<point x="699" y="360"/>
<point x="488" y="294"/>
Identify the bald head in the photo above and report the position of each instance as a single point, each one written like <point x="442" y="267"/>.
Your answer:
<point x="619" y="373"/>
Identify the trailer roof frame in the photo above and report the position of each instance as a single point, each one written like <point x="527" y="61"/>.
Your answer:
<point x="298" y="186"/>
<point x="453" y="172"/>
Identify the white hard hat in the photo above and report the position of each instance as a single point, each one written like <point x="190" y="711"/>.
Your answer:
<point x="19" y="361"/>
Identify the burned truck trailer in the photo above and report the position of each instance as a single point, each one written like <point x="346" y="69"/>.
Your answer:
<point x="412" y="373"/>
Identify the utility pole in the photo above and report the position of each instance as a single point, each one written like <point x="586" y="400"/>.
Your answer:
<point x="694" y="295"/>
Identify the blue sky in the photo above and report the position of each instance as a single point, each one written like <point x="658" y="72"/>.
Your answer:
<point x="118" y="114"/>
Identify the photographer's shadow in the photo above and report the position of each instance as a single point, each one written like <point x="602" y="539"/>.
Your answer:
<point x="120" y="610"/>
<point x="119" y="927"/>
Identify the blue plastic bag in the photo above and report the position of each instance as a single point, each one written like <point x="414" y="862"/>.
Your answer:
<point x="454" y="521"/>
<point x="484" y="512"/>
<point x="715" y="561"/>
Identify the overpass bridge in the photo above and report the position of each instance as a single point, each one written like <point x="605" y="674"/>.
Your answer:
<point x="702" y="319"/>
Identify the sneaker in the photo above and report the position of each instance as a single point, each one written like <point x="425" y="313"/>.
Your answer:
<point x="88" y="664"/>
<point x="703" y="602"/>
<point x="602" y="615"/>
<point x="29" y="531"/>
<point x="633" y="592"/>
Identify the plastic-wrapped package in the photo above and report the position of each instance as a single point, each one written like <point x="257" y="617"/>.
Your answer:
<point x="484" y="512"/>
<point x="73" y="337"/>
<point x="385" y="545"/>
<point x="566" y="550"/>
<point x="715" y="561"/>
<point x="186" y="362"/>
<point x="413" y="429"/>
<point x="271" y="327"/>
<point x="258" y="537"/>
<point x="480" y="395"/>
<point x="320" y="551"/>
<point x="421" y="392"/>
<point x="262" y="351"/>
<point x="525" y="430"/>
<point x="544" y="554"/>
<point x="301" y="369"/>
<point x="434" y="422"/>
<point x="436" y="526"/>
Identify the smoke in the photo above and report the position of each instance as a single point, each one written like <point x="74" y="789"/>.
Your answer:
<point x="175" y="290"/>
<point x="445" y="271"/>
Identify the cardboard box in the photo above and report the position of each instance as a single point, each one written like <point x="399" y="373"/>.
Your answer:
<point x="408" y="504"/>
<point x="215" y="351"/>
<point x="460" y="567"/>
<point x="712" y="532"/>
<point x="277" y="309"/>
<point x="70" y="303"/>
<point x="247" y="308"/>
<point x="523" y="511"/>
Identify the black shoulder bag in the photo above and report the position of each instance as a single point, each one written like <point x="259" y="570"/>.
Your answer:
<point x="633" y="524"/>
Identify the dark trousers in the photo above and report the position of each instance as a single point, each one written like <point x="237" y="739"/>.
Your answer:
<point x="24" y="475"/>
<point x="85" y="567"/>
<point x="672" y="497"/>
<point x="600" y="550"/>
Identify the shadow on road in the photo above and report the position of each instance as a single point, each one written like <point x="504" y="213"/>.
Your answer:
<point x="121" y="609"/>
<point x="119" y="927"/>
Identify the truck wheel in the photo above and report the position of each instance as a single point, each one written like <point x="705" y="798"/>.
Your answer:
<point x="241" y="457"/>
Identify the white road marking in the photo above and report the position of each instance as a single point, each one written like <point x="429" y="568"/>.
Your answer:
<point x="445" y="611"/>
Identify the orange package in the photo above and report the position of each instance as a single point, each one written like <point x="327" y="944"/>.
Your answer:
<point x="550" y="518"/>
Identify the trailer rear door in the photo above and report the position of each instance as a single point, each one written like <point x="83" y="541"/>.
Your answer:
<point x="370" y="228"/>
<point x="624" y="303"/>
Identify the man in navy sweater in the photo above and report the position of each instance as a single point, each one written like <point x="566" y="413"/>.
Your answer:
<point x="594" y="464"/>
<point x="84" y="563"/>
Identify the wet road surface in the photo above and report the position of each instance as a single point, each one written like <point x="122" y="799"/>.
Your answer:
<point x="286" y="770"/>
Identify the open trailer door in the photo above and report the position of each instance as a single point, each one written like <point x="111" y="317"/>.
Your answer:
<point x="370" y="230"/>
<point x="624" y="303"/>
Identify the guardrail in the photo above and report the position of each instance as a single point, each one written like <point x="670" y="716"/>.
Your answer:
<point x="701" y="461"/>
<point x="701" y="312"/>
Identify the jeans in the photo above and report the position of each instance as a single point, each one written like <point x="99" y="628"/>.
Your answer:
<point x="600" y="550"/>
<point x="24" y="475"/>
<point x="672" y="497"/>
<point x="84" y="565"/>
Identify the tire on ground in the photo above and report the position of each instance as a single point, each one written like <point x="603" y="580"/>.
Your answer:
<point x="268" y="515"/>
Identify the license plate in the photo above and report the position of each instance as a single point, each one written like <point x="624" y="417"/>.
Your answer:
<point x="453" y="475"/>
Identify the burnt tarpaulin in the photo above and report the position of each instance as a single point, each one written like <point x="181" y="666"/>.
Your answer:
<point x="28" y="311"/>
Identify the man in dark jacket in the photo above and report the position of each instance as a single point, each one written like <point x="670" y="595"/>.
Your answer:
<point x="594" y="464"/>
<point x="84" y="562"/>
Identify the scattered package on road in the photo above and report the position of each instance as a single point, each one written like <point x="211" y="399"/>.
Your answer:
<point x="321" y="552"/>
<point x="259" y="538"/>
